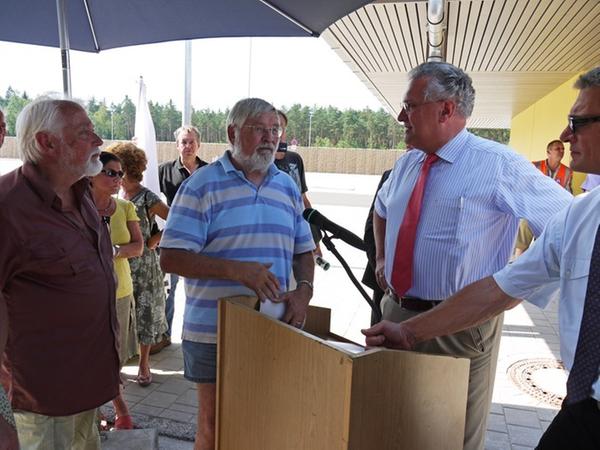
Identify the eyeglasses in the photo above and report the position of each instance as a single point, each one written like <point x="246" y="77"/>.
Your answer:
<point x="259" y="130"/>
<point x="113" y="173"/>
<point x="576" y="122"/>
<point x="409" y="107"/>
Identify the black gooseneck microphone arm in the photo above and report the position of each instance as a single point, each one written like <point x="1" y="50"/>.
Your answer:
<point x="331" y="247"/>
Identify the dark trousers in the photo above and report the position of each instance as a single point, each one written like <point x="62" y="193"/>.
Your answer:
<point x="575" y="427"/>
<point x="170" y="302"/>
<point x="377" y="296"/>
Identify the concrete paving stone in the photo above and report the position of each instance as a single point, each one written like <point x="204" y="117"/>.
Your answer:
<point x="136" y="389"/>
<point x="148" y="410"/>
<point x="496" y="441"/>
<point x="184" y="408"/>
<point x="551" y="339"/>
<point x="132" y="399"/>
<point x="140" y="439"/>
<point x="545" y="424"/>
<point x="545" y="329"/>
<point x="160" y="399"/>
<point x="522" y="417"/>
<point x="547" y="414"/>
<point x="177" y="415"/>
<point x="520" y="405"/>
<point x="166" y="375"/>
<point x="170" y="363"/>
<point x="520" y="447"/>
<point x="555" y="349"/>
<point x="174" y="386"/>
<point x="167" y="443"/>
<point x="173" y="348"/>
<point x="189" y="398"/>
<point x="524" y="435"/>
<point x="496" y="422"/>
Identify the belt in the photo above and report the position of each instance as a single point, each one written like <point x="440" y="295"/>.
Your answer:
<point x="413" y="303"/>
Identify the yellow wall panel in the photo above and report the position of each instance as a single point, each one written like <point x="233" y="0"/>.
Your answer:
<point x="533" y="128"/>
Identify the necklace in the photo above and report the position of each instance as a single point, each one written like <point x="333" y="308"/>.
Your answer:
<point x="103" y="211"/>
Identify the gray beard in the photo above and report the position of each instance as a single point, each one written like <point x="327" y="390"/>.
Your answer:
<point x="259" y="161"/>
<point x="93" y="168"/>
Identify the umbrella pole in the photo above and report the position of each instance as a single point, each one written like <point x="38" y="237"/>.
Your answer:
<point x="63" y="36"/>
<point x="186" y="117"/>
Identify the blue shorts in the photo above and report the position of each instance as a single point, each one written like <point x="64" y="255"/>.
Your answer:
<point x="199" y="362"/>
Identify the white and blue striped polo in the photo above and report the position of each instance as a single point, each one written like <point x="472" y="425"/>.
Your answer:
<point x="219" y="213"/>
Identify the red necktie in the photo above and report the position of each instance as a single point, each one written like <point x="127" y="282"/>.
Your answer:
<point x="405" y="243"/>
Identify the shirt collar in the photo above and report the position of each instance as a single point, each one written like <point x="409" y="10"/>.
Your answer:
<point x="179" y="165"/>
<point x="228" y="166"/>
<point x="452" y="149"/>
<point x="39" y="184"/>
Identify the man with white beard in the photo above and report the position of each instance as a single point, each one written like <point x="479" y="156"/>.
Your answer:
<point x="236" y="228"/>
<point x="56" y="282"/>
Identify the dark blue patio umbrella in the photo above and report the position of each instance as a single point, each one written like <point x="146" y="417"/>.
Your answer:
<point x="95" y="25"/>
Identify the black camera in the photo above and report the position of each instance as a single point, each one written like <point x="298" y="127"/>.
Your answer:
<point x="282" y="147"/>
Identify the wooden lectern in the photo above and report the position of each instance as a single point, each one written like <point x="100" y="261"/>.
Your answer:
<point x="280" y="388"/>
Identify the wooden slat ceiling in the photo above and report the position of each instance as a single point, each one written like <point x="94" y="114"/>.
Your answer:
<point x="516" y="51"/>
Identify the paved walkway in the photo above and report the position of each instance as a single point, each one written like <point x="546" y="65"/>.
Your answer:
<point x="530" y="338"/>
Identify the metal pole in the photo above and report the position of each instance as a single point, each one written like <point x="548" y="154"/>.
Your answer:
<point x="310" y="114"/>
<point x="63" y="37"/>
<point x="186" y="117"/>
<point x="249" y="65"/>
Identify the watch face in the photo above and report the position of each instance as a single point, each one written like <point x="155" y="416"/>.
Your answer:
<point x="282" y="147"/>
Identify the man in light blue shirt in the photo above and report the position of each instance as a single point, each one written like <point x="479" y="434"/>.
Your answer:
<point x="474" y="196"/>
<point x="236" y="228"/>
<point x="564" y="261"/>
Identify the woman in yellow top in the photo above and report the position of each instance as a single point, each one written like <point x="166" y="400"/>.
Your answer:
<point x="126" y="237"/>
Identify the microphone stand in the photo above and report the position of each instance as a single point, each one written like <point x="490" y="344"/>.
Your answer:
<point x="326" y="239"/>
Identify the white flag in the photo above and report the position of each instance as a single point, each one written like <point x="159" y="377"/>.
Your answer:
<point x="145" y="138"/>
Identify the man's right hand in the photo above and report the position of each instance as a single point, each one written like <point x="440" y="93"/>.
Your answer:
<point x="260" y="279"/>
<point x="391" y="335"/>
<point x="380" y="273"/>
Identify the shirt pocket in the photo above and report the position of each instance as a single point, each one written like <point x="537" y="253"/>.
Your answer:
<point x="446" y="217"/>
<point x="47" y="258"/>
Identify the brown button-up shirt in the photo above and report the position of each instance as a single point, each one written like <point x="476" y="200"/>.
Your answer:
<point x="56" y="276"/>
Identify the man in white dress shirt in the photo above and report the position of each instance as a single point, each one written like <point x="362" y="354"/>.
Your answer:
<point x="564" y="261"/>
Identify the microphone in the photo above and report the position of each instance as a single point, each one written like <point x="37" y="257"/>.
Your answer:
<point x="319" y="261"/>
<point x="319" y="220"/>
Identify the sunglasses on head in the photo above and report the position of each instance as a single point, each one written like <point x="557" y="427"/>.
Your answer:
<point x="113" y="173"/>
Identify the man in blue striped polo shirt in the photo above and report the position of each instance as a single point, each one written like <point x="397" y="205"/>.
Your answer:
<point x="236" y="228"/>
<point x="475" y="192"/>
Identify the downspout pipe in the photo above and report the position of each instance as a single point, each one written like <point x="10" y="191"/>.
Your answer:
<point x="436" y="30"/>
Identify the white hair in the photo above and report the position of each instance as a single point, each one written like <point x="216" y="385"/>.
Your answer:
<point x="246" y="108"/>
<point x="43" y="114"/>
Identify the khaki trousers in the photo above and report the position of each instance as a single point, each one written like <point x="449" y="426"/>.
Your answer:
<point x="480" y="344"/>
<point x="76" y="432"/>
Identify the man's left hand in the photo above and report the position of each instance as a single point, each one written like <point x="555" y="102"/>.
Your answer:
<point x="297" y="304"/>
